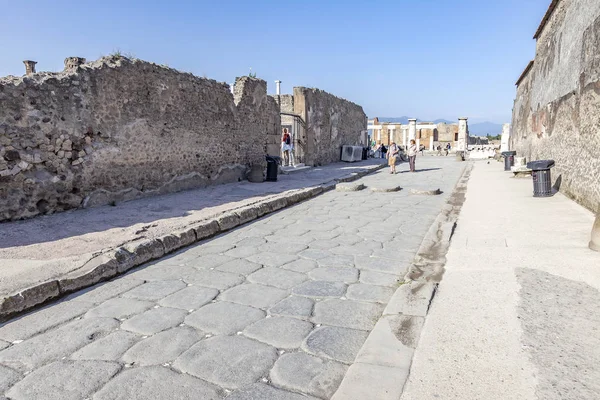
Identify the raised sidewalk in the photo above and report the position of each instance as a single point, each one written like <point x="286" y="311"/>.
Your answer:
<point x="516" y="315"/>
<point x="48" y="256"/>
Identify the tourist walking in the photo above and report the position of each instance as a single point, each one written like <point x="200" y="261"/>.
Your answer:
<point x="392" y="157"/>
<point x="439" y="149"/>
<point x="286" y="147"/>
<point x="412" y="154"/>
<point x="383" y="151"/>
<point x="447" y="148"/>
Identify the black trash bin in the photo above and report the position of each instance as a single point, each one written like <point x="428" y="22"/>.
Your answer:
<point x="542" y="180"/>
<point x="272" y="168"/>
<point x="365" y="153"/>
<point x="509" y="159"/>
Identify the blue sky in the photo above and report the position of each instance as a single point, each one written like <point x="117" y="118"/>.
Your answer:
<point x="422" y="58"/>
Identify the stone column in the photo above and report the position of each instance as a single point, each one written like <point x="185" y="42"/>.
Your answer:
<point x="412" y="129"/>
<point x="431" y="143"/>
<point x="463" y="134"/>
<point x="73" y="63"/>
<point x="391" y="130"/>
<point x="278" y="87"/>
<point x="505" y="139"/>
<point x="404" y="136"/>
<point x="29" y="67"/>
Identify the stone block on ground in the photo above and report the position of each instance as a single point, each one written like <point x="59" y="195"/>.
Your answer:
<point x="344" y="275"/>
<point x="156" y="290"/>
<point x="280" y="332"/>
<point x="347" y="314"/>
<point x="214" y="279"/>
<point x="64" y="380"/>
<point x="425" y="192"/>
<point x="278" y="277"/>
<point x="104" y="291"/>
<point x="254" y="295"/>
<point x="340" y="344"/>
<point x="149" y="383"/>
<point x="366" y="381"/>
<point x="154" y="320"/>
<point x="28" y="298"/>
<point x="7" y="378"/>
<point x="386" y="188"/>
<point x="293" y="306"/>
<point x="373" y="293"/>
<point x="163" y="347"/>
<point x="320" y="289"/>
<point x="272" y="259"/>
<point x="307" y="374"/>
<point x="224" y="318"/>
<point x="228" y="361"/>
<point x="260" y="391"/>
<point x="190" y="298"/>
<point x="379" y="278"/>
<point x="108" y="348"/>
<point x="119" y="308"/>
<point x="349" y="187"/>
<point x="300" y="265"/>
<point x="380" y="264"/>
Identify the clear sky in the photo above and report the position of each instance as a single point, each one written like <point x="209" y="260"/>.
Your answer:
<point x="422" y="58"/>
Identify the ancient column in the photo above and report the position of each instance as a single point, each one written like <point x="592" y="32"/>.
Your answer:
<point x="404" y="135"/>
<point x="73" y="63"/>
<point x="505" y="138"/>
<point x="431" y="143"/>
<point x="278" y="87"/>
<point x="412" y="129"/>
<point x="29" y="67"/>
<point x="463" y="134"/>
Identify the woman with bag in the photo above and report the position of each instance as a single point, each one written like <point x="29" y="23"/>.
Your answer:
<point x="412" y="154"/>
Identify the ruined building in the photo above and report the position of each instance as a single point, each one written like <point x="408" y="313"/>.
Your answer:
<point x="117" y="129"/>
<point x="556" y="113"/>
<point x="427" y="133"/>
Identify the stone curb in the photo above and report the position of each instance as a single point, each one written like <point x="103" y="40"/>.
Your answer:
<point x="114" y="262"/>
<point x="382" y="365"/>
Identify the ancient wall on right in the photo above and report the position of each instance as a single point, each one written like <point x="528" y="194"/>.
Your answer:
<point x="556" y="113"/>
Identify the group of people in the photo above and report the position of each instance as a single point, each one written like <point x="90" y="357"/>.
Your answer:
<point x="394" y="150"/>
<point x="447" y="149"/>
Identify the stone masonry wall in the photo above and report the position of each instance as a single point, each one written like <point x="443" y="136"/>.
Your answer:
<point x="330" y="123"/>
<point x="118" y="129"/>
<point x="556" y="113"/>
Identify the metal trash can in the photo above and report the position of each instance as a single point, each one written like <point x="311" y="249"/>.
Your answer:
<point x="272" y="167"/>
<point x="542" y="180"/>
<point x="509" y="159"/>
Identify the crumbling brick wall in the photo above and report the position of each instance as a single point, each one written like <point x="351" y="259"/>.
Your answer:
<point x="116" y="129"/>
<point x="331" y="122"/>
<point x="556" y="114"/>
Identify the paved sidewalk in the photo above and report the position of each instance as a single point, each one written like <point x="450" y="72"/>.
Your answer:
<point x="276" y="309"/>
<point x="516" y="315"/>
<point x="37" y="250"/>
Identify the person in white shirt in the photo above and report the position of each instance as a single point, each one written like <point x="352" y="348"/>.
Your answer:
<point x="412" y="154"/>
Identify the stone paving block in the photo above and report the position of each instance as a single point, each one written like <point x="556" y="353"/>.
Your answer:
<point x="286" y="238"/>
<point x="348" y="239"/>
<point x="189" y="256"/>
<point x="320" y="289"/>
<point x="155" y="320"/>
<point x="239" y="266"/>
<point x="366" y="381"/>
<point x="373" y="293"/>
<point x="146" y="383"/>
<point x="283" y="248"/>
<point x="156" y="290"/>
<point x="278" y="277"/>
<point x="280" y="332"/>
<point x="272" y="259"/>
<point x="190" y="298"/>
<point x="323" y="245"/>
<point x="294" y="306"/>
<point x="253" y="242"/>
<point x="119" y="308"/>
<point x="163" y="347"/>
<point x="328" y="235"/>
<point x="209" y="261"/>
<point x="301" y="265"/>
<point x="214" y="279"/>
<point x="340" y="344"/>
<point x="364" y="248"/>
<point x="161" y="272"/>
<point x="64" y="380"/>
<point x="392" y="342"/>
<point x="379" y="278"/>
<point x="224" y="318"/>
<point x="104" y="291"/>
<point x="254" y="295"/>
<point x="308" y="374"/>
<point x="243" y="251"/>
<point x="315" y="254"/>
<point x="3" y="344"/>
<point x="7" y="378"/>
<point x="293" y="230"/>
<point x="41" y="320"/>
<point x="337" y="261"/>
<point x="388" y="265"/>
<point x="228" y="361"/>
<point x="65" y="340"/>
<point x="108" y="348"/>
<point x="349" y="187"/>
<point x="260" y="391"/>
<point x="347" y="313"/>
<point x="345" y="275"/>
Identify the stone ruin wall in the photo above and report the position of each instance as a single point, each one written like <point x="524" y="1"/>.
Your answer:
<point x="556" y="113"/>
<point x="331" y="122"/>
<point x="118" y="129"/>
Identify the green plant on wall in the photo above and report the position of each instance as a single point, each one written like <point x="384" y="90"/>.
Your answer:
<point x="252" y="74"/>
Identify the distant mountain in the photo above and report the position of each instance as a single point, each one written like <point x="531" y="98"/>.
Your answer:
<point x="483" y="128"/>
<point x="401" y="120"/>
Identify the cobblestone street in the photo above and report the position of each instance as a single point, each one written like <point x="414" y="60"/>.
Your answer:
<point x="276" y="309"/>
